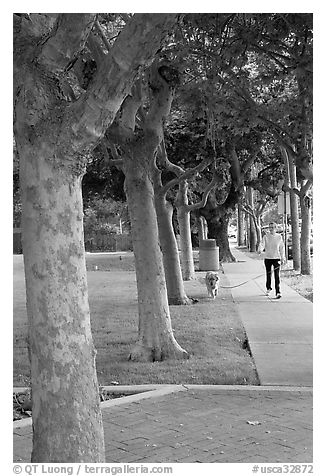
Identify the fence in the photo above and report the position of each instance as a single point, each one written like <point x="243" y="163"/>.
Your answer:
<point x="94" y="242"/>
<point x="108" y="242"/>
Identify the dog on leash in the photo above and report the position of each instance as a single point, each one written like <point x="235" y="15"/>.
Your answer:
<point x="212" y="282"/>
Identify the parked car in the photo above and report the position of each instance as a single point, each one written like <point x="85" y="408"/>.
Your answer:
<point x="289" y="246"/>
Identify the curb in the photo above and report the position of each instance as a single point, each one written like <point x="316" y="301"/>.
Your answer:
<point x="137" y="392"/>
<point x="250" y="388"/>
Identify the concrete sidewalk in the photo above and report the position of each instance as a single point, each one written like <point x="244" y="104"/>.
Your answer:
<point x="271" y="423"/>
<point x="279" y="331"/>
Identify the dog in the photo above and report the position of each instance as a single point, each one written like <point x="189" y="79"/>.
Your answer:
<point x="212" y="283"/>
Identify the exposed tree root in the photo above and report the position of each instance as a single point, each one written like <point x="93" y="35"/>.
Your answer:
<point x="142" y="353"/>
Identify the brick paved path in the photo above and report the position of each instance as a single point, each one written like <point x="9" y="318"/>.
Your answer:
<point x="205" y="426"/>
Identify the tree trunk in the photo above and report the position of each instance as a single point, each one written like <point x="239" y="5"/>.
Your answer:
<point x="252" y="227"/>
<point x="305" y="203"/>
<point x="60" y="341"/>
<point x="295" y="228"/>
<point x="187" y="261"/>
<point x="156" y="341"/>
<point x="169" y="247"/>
<point x="202" y="228"/>
<point x="217" y="218"/>
<point x="252" y="235"/>
<point x="54" y="134"/>
<point x="257" y="224"/>
<point x="241" y="227"/>
<point x="247" y="220"/>
<point x="218" y="229"/>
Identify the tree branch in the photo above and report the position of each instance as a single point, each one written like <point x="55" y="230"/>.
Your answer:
<point x="304" y="189"/>
<point x="249" y="162"/>
<point x="125" y="17"/>
<point x="162" y="91"/>
<point x="235" y="168"/>
<point x="102" y="35"/>
<point x="276" y="130"/>
<point x="165" y="162"/>
<point x="117" y="161"/>
<point x="286" y="188"/>
<point x="89" y="117"/>
<point x="261" y="206"/>
<point x="97" y="53"/>
<point x="157" y="179"/>
<point x="130" y="106"/>
<point x="67" y="39"/>
<point x="247" y="208"/>
<point x="184" y="175"/>
<point x="203" y="201"/>
<point x="138" y="90"/>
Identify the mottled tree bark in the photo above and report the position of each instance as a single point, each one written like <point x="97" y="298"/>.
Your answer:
<point x="292" y="183"/>
<point x="303" y="192"/>
<point x="218" y="229"/>
<point x="202" y="228"/>
<point x="241" y="227"/>
<point x="305" y="203"/>
<point x="60" y="341"/>
<point x="217" y="218"/>
<point x="183" y="214"/>
<point x="252" y="227"/>
<point x="219" y="208"/>
<point x="139" y="147"/>
<point x="155" y="336"/>
<point x="54" y="133"/>
<point x="169" y="247"/>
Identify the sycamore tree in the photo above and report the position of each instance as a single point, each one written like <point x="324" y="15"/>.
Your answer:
<point x="263" y="180"/>
<point x="177" y="270"/>
<point x="189" y="141"/>
<point x="168" y="242"/>
<point x="221" y="205"/>
<point x="279" y="93"/>
<point x="195" y="166"/>
<point x="134" y="139"/>
<point x="237" y="136"/>
<point x="63" y="104"/>
<point x="266" y="61"/>
<point x="213" y="53"/>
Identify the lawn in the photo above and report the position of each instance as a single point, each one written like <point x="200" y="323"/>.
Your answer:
<point x="211" y="331"/>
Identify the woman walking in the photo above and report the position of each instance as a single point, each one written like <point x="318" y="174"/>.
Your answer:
<point x="274" y="248"/>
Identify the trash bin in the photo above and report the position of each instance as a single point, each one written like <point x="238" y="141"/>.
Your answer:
<point x="208" y="255"/>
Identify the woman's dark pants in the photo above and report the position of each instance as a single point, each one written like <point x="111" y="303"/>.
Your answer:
<point x="276" y="264"/>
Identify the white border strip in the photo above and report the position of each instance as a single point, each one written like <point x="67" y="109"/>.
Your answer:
<point x="140" y="392"/>
<point x="137" y="392"/>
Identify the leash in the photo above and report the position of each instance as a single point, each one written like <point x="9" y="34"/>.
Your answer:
<point x="245" y="282"/>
